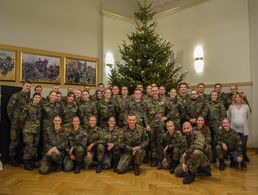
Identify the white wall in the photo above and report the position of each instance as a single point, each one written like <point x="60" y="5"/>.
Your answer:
<point x="253" y="9"/>
<point x="114" y="32"/>
<point x="222" y="27"/>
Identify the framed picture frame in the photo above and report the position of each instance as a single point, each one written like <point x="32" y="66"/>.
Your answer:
<point x="40" y="67"/>
<point x="81" y="71"/>
<point x="8" y="60"/>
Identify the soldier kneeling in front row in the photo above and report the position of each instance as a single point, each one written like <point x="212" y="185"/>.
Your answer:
<point x="132" y="142"/>
<point x="195" y="155"/>
<point x="229" y="144"/>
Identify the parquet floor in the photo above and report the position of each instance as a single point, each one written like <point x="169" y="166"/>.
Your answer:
<point x="151" y="181"/>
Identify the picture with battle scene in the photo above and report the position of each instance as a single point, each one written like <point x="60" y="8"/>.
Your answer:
<point x="40" y="68"/>
<point x="7" y="65"/>
<point x="78" y="71"/>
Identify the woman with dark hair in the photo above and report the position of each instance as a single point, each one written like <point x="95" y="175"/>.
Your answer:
<point x="55" y="145"/>
<point x="203" y="129"/>
<point x="76" y="148"/>
<point x="173" y="109"/>
<point x="31" y="120"/>
<point x="69" y="110"/>
<point x="112" y="151"/>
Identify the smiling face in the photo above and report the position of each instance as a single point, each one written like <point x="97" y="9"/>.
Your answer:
<point x="170" y="127"/>
<point x="200" y="122"/>
<point x="172" y="93"/>
<point x="187" y="128"/>
<point x="76" y="122"/>
<point x="226" y="124"/>
<point x="36" y="99"/>
<point x="52" y="96"/>
<point x="92" y="121"/>
<point x="26" y="87"/>
<point x="111" y="122"/>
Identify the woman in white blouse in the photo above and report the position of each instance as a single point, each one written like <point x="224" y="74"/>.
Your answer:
<point x="239" y="114"/>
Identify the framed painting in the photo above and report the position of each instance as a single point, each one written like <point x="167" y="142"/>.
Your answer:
<point x="7" y="65"/>
<point x="40" y="68"/>
<point x="80" y="71"/>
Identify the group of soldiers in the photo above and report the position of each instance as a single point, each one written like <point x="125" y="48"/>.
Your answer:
<point x="181" y="132"/>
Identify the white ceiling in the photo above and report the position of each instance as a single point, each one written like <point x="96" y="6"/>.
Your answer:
<point x="128" y="7"/>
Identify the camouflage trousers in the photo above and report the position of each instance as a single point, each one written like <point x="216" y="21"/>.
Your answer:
<point x="155" y="142"/>
<point x="50" y="161"/>
<point x="111" y="158"/>
<point x="15" y="137"/>
<point x="79" y="152"/>
<point x="97" y="153"/>
<point x="31" y="141"/>
<point x="196" y="160"/>
<point x="222" y="153"/>
<point x="172" y="154"/>
<point x="128" y="159"/>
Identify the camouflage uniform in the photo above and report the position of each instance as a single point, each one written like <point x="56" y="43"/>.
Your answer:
<point x="163" y="98"/>
<point x="14" y="108"/>
<point x="172" y="112"/>
<point x="205" y="131"/>
<point x="96" y="136"/>
<point x="172" y="154"/>
<point x="122" y="109"/>
<point x="146" y="99"/>
<point x="216" y="113"/>
<point x="195" y="108"/>
<point x="112" y="157"/>
<point x="204" y="97"/>
<point x="50" y="110"/>
<point x="68" y="112"/>
<point x="233" y="142"/>
<point x="30" y="120"/>
<point x="156" y="109"/>
<point x="53" y="138"/>
<point x="129" y="139"/>
<point x="104" y="110"/>
<point x="86" y="109"/>
<point x="77" y="139"/>
<point x="182" y="100"/>
<point x="140" y="110"/>
<point x="198" y="153"/>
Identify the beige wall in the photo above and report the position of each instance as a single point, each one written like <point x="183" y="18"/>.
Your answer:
<point x="67" y="26"/>
<point x="114" y="32"/>
<point x="222" y="27"/>
<point x="253" y="10"/>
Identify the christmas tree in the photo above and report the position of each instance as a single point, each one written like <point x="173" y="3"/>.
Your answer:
<point x="147" y="58"/>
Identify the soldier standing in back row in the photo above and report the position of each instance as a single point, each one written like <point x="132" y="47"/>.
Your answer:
<point x="216" y="113"/>
<point x="30" y="120"/>
<point x="14" y="108"/>
<point x="156" y="118"/>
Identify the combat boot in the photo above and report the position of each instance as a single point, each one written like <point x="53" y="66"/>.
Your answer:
<point x="189" y="178"/>
<point x="34" y="163"/>
<point x="27" y="165"/>
<point x="13" y="161"/>
<point x="173" y="167"/>
<point x="159" y="165"/>
<point x="221" y="164"/>
<point x="136" y="170"/>
<point x="233" y="163"/>
<point x="243" y="164"/>
<point x="204" y="170"/>
<point x="77" y="167"/>
<point x="153" y="163"/>
<point x="99" y="167"/>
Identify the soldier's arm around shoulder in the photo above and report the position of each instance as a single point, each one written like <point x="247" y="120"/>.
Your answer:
<point x="23" y="115"/>
<point x="199" y="142"/>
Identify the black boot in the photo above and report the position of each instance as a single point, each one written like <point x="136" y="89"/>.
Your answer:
<point x="136" y="170"/>
<point x="153" y="163"/>
<point x="13" y="161"/>
<point x="34" y="163"/>
<point x="243" y="164"/>
<point x="99" y="167"/>
<point x="58" y="167"/>
<point x="221" y="165"/>
<point x="204" y="171"/>
<point x="27" y="165"/>
<point x="233" y="163"/>
<point x="173" y="166"/>
<point x="77" y="167"/>
<point x="189" y="178"/>
<point x="246" y="158"/>
<point x="159" y="165"/>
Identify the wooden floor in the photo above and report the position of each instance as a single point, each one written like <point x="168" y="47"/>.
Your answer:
<point x="151" y="181"/>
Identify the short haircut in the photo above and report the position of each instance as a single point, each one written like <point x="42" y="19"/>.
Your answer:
<point x="25" y="82"/>
<point x="183" y="83"/>
<point x="201" y="84"/>
<point x="38" y="86"/>
<point x="36" y="94"/>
